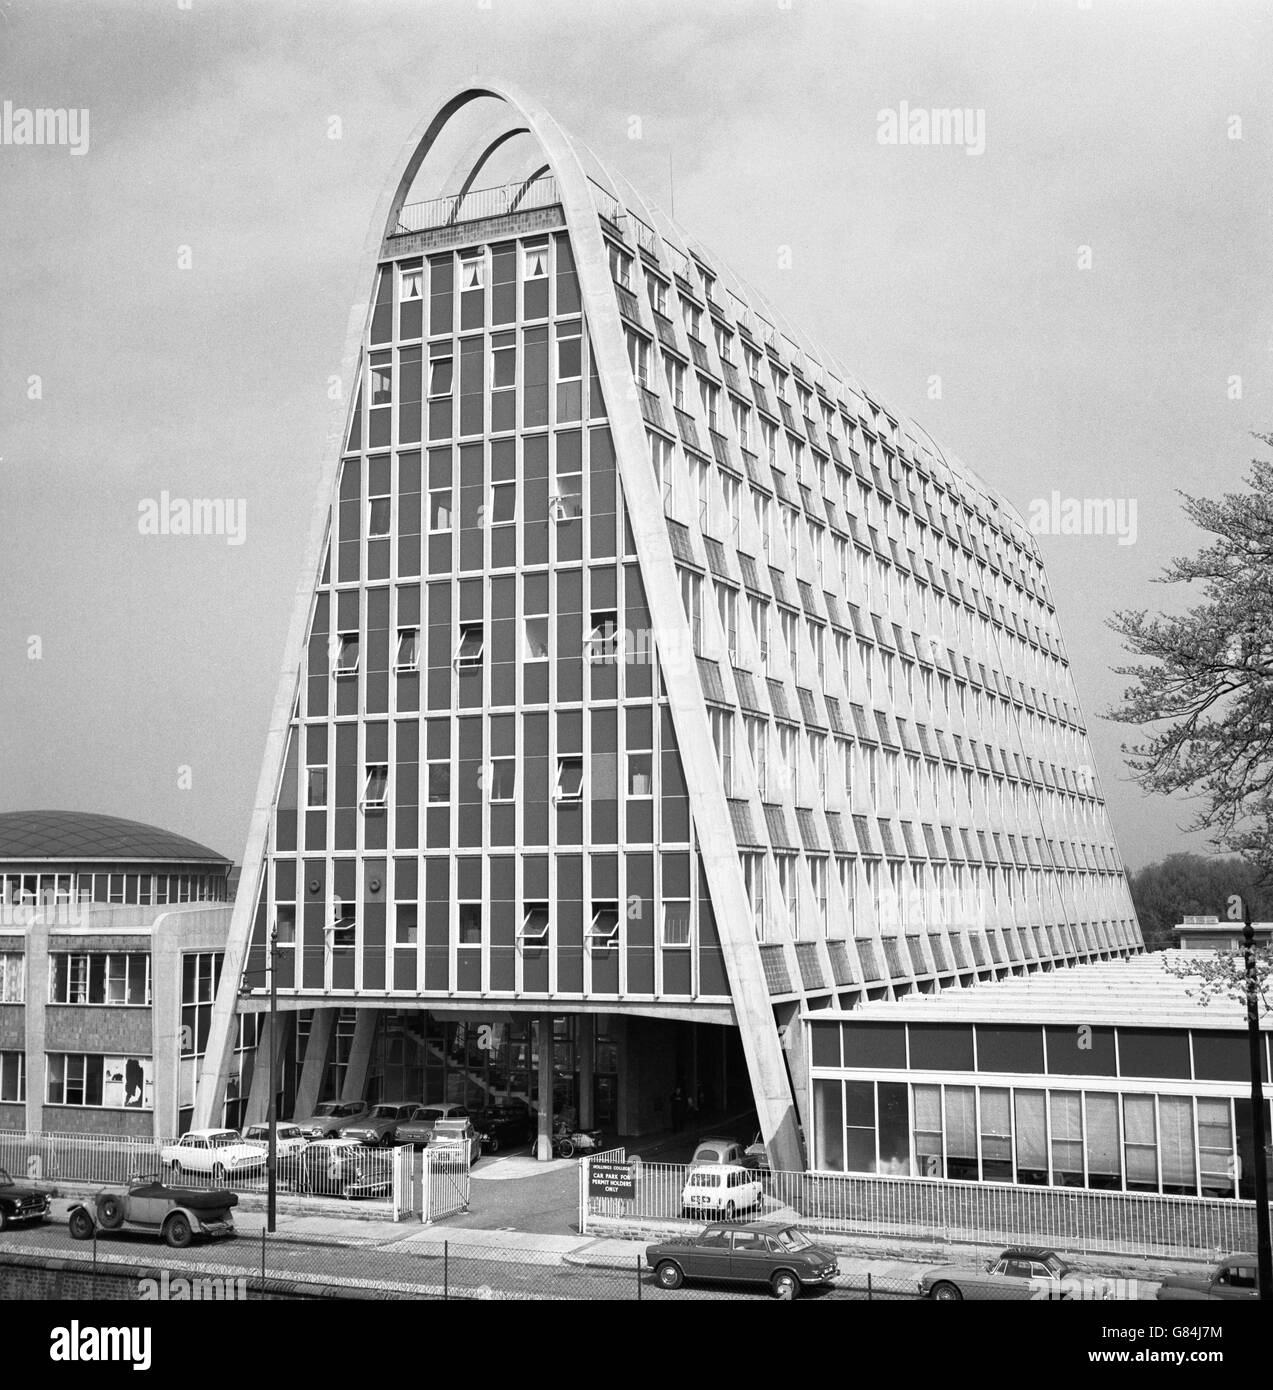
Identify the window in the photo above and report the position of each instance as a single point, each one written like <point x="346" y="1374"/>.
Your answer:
<point x="569" y="371"/>
<point x="99" y="978"/>
<point x="657" y="291"/>
<point x="411" y="283"/>
<point x="535" y="261"/>
<point x="603" y="933"/>
<point x="503" y="503"/>
<point x="439" y="780"/>
<point x="535" y="924"/>
<point x="638" y="356"/>
<point x="535" y="635"/>
<point x="441" y="375"/>
<point x="676" y="922"/>
<point x="376" y="786"/>
<point x="620" y="266"/>
<point x="692" y="316"/>
<point x="378" y="514"/>
<point x="692" y="596"/>
<point x="406" y="928"/>
<point x="472" y="270"/>
<point x="381" y="379"/>
<point x="316" y="786"/>
<point x="661" y="462"/>
<point x="675" y="373"/>
<point x="344" y="927"/>
<point x="468" y="652"/>
<point x="13" y="1077"/>
<point x="470" y="924"/>
<point x="503" y="779"/>
<point x="640" y="774"/>
<point x="347" y="656"/>
<point x="74" y="1079"/>
<point x="727" y="604"/>
<point x="12" y="971"/>
<point x="569" y="779"/>
<point x="503" y="381"/>
<point x="408" y="658"/>
<point x="711" y="403"/>
<point x="722" y="725"/>
<point x="602" y="645"/>
<point x="758" y="744"/>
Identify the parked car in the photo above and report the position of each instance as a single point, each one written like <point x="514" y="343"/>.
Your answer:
<point x="289" y="1139"/>
<point x="781" y="1256"/>
<point x="19" y="1203"/>
<point x="454" y="1134"/>
<point x="758" y="1154"/>
<point x="1020" y="1272"/>
<point x="721" y="1150"/>
<point x="380" y="1124"/>
<point x="340" y="1168"/>
<point x="215" y="1153"/>
<point x="506" y="1123"/>
<point x="721" y="1190"/>
<point x="328" y="1117"/>
<point x="147" y="1204"/>
<point x="417" y="1129"/>
<point x="1235" y="1276"/>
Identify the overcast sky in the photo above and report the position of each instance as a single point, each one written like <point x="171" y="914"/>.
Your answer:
<point x="1107" y="126"/>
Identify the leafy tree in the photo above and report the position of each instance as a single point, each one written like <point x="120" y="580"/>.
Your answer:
<point x="1206" y="678"/>
<point x="1221" y="976"/>
<point x="1192" y="885"/>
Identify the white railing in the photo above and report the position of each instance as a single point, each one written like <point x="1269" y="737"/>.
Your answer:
<point x="1074" y="1219"/>
<point x="114" y="1159"/>
<point x="444" y="1182"/>
<point x="478" y="203"/>
<point x="599" y="1206"/>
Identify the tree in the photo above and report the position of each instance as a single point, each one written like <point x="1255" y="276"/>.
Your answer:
<point x="1206" y="679"/>
<point x="1191" y="885"/>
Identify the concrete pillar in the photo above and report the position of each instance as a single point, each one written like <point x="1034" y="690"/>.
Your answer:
<point x="258" y="1108"/>
<point x="360" y="1054"/>
<point x="314" y="1066"/>
<point x="587" y="1068"/>
<point x="36" y="997"/>
<point x="625" y="1101"/>
<point x="544" y="1139"/>
<point x="165" y="1026"/>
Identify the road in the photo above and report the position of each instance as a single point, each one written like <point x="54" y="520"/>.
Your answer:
<point x="410" y="1267"/>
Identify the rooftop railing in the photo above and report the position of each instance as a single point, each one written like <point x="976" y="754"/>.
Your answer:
<point x="479" y="203"/>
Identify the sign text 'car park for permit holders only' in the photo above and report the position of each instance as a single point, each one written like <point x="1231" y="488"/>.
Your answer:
<point x="611" y="1180"/>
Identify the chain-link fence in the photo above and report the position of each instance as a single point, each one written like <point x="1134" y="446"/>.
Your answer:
<point x="256" y="1265"/>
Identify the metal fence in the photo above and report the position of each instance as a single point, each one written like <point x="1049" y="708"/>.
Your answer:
<point x="255" y="1265"/>
<point x="479" y="203"/>
<point x="1079" y="1220"/>
<point x="113" y="1159"/>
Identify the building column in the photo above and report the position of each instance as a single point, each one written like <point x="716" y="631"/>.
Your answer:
<point x="35" y="1001"/>
<point x="544" y="1139"/>
<point x="258" y="1107"/>
<point x="360" y="1054"/>
<point x="587" y="1068"/>
<point x="314" y="1066"/>
<point x="165" y="1026"/>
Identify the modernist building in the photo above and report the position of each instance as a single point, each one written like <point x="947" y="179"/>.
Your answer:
<point x="112" y="937"/>
<point x="1111" y="1076"/>
<point x="651" y="681"/>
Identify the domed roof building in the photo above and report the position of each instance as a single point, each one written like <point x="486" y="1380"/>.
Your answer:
<point x="84" y="856"/>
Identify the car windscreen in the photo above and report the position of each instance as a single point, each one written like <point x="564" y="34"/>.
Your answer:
<point x="227" y="1137"/>
<point x="330" y="1108"/>
<point x="384" y="1112"/>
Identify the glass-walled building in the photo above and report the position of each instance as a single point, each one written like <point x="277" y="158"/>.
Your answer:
<point x="1107" y="1077"/>
<point x="647" y="666"/>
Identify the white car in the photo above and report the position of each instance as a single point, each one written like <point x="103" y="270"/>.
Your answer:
<point x="289" y="1140"/>
<point x="721" y="1191"/>
<point x="216" y="1153"/>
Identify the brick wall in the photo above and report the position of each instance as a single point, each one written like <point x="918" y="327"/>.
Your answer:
<point x="110" y="1028"/>
<point x="77" y="1119"/>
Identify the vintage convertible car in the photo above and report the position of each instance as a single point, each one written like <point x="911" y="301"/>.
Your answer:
<point x="148" y="1204"/>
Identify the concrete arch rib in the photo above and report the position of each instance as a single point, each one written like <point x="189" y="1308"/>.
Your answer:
<point x="757" y="1026"/>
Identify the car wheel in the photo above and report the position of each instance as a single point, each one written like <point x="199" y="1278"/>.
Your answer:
<point x="566" y="1149"/>
<point x="177" y="1232"/>
<point x="110" y="1212"/>
<point x="947" y="1293"/>
<point x="218" y="1174"/>
<point x="80" y="1224"/>
<point x="492" y="1143"/>
<point x="669" y="1274"/>
<point x="728" y="1213"/>
<point x="785" y="1285"/>
<point x="4" y="1218"/>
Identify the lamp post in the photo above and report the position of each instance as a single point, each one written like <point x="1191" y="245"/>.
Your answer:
<point x="271" y="1162"/>
<point x="1264" y="1248"/>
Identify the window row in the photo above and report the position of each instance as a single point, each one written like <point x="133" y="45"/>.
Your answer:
<point x="81" y="977"/>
